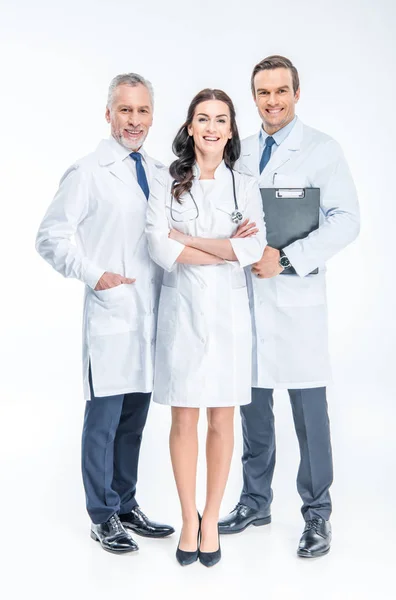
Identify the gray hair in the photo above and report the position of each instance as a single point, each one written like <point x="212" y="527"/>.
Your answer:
<point x="131" y="79"/>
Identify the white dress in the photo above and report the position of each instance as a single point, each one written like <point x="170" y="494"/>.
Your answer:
<point x="204" y="339"/>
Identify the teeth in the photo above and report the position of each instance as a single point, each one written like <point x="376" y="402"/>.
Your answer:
<point x="211" y="139"/>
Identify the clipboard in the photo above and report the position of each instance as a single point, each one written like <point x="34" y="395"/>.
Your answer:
<point x="290" y="214"/>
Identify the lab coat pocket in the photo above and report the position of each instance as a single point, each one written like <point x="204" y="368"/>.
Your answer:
<point x="113" y="311"/>
<point x="184" y="212"/>
<point x="292" y="290"/>
<point x="108" y="295"/>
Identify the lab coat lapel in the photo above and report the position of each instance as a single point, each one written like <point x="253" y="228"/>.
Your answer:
<point x="117" y="167"/>
<point x="250" y="160"/>
<point x="285" y="152"/>
<point x="222" y="176"/>
<point x="109" y="159"/>
<point x="223" y="184"/>
<point x="152" y="167"/>
<point x="197" y="194"/>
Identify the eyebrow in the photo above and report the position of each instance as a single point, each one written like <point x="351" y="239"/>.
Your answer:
<point x="281" y="87"/>
<point x="129" y="106"/>
<point x="217" y="116"/>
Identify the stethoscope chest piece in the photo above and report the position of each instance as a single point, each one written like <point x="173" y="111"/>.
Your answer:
<point x="236" y="216"/>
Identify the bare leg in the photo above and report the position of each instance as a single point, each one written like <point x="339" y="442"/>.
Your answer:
<point x="183" y="443"/>
<point x="219" y="447"/>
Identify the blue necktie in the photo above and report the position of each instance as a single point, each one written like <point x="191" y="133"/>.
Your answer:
<point x="141" y="173"/>
<point x="269" y="142"/>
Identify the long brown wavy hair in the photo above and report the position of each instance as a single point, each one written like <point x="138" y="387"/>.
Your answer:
<point x="183" y="145"/>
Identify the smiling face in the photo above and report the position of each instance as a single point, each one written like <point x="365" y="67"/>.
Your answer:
<point x="275" y="98"/>
<point x="130" y="115"/>
<point x="210" y="128"/>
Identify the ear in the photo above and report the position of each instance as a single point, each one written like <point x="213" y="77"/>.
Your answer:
<point x="107" y="114"/>
<point x="254" y="98"/>
<point x="189" y="130"/>
<point x="297" y="96"/>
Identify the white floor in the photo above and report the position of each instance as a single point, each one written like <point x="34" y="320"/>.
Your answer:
<point x="47" y="552"/>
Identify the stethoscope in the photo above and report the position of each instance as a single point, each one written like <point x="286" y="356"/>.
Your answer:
<point x="236" y="215"/>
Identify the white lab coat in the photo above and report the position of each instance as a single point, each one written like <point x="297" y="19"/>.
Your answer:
<point x="203" y="353"/>
<point x="101" y="205"/>
<point x="289" y="312"/>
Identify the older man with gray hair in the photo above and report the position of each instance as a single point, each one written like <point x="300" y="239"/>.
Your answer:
<point x="94" y="231"/>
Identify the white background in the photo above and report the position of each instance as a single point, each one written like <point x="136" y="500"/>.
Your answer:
<point x="57" y="61"/>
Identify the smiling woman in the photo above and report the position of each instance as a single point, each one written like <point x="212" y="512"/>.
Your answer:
<point x="203" y="348"/>
<point x="197" y="136"/>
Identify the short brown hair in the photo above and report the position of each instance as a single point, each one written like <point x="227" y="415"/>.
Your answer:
<point x="276" y="62"/>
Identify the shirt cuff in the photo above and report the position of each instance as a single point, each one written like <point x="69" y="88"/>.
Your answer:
<point x="166" y="254"/>
<point x="301" y="266"/>
<point x="247" y="252"/>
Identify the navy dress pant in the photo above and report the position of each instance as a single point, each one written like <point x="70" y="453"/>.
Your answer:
<point x="112" y="434"/>
<point x="315" y="473"/>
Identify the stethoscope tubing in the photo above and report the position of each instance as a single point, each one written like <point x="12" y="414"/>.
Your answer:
<point x="236" y="215"/>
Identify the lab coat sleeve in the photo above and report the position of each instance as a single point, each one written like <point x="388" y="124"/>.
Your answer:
<point x="340" y="208"/>
<point x="163" y="250"/>
<point x="250" y="250"/>
<point x="67" y="210"/>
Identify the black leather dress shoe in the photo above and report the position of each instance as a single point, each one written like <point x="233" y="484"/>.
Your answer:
<point x="241" y="517"/>
<point x="316" y="539"/>
<point x="140" y="524"/>
<point x="209" y="559"/>
<point x="184" y="557"/>
<point x="113" y="537"/>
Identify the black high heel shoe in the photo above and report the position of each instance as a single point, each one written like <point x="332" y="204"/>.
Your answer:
<point x="209" y="559"/>
<point x="187" y="558"/>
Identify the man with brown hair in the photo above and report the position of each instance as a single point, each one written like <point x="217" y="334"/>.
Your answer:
<point x="289" y="311"/>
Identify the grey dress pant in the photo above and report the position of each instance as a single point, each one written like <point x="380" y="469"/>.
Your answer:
<point x="315" y="473"/>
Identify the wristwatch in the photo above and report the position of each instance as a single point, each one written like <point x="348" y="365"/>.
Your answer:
<point x="284" y="262"/>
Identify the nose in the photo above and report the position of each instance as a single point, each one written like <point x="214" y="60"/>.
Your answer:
<point x="133" y="118"/>
<point x="211" y="126"/>
<point x="271" y="99"/>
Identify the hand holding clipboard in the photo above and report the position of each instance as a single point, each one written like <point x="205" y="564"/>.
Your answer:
<point x="290" y="215"/>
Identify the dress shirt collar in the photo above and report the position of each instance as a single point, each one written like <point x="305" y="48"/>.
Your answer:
<point x="280" y="135"/>
<point x="121" y="152"/>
